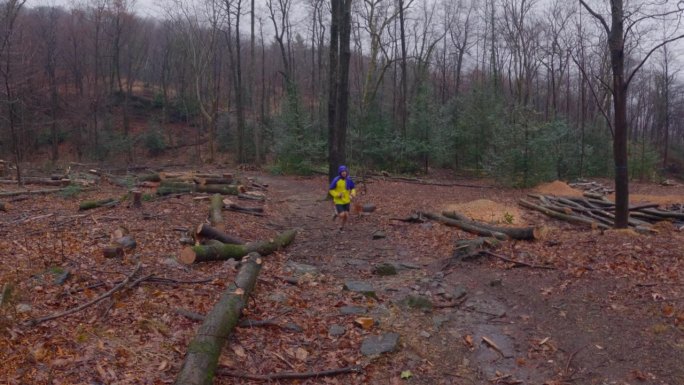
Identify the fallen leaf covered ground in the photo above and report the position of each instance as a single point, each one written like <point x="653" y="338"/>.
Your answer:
<point x="611" y="309"/>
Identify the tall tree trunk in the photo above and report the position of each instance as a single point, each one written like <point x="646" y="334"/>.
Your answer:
<point x="403" y="105"/>
<point x="333" y="158"/>
<point x="617" y="59"/>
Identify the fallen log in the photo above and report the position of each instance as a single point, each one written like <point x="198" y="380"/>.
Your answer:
<point x="224" y="181"/>
<point x="38" y="181"/>
<point x="205" y="231"/>
<point x="289" y="375"/>
<point x="251" y="197"/>
<point x="230" y="205"/>
<point x="465" y="226"/>
<point x="215" y="207"/>
<point x="154" y="177"/>
<point x="222" y="189"/>
<point x="219" y="251"/>
<point x="520" y="233"/>
<point x="565" y="217"/>
<point x="201" y="360"/>
<point x="663" y="214"/>
<point x="172" y="187"/>
<point x="30" y="192"/>
<point x="87" y="205"/>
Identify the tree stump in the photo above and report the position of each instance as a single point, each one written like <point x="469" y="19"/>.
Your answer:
<point x="137" y="198"/>
<point x="215" y="208"/>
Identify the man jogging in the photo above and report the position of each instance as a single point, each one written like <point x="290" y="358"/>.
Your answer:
<point x="342" y="191"/>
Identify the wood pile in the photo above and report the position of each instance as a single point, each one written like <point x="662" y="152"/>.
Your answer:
<point x="596" y="211"/>
<point x="591" y="187"/>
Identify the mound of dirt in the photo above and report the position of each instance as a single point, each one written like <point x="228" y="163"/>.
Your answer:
<point x="558" y="188"/>
<point x="487" y="211"/>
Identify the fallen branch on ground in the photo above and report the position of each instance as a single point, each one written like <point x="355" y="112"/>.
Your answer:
<point x="290" y="375"/>
<point x="116" y="288"/>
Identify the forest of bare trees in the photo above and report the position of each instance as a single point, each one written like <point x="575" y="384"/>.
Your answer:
<point x="523" y="90"/>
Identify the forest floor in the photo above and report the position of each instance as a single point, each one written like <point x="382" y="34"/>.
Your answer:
<point x="608" y="308"/>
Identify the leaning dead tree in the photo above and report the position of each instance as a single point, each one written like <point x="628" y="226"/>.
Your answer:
<point x="201" y="360"/>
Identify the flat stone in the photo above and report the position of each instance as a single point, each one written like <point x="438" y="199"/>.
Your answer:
<point x="364" y="288"/>
<point x="336" y="330"/>
<point x="438" y="320"/>
<point x="385" y="269"/>
<point x="375" y="345"/>
<point x="425" y="334"/>
<point x="23" y="308"/>
<point x="380" y="311"/>
<point x="417" y="302"/>
<point x="407" y="265"/>
<point x="278" y="297"/>
<point x="459" y="291"/>
<point x="299" y="269"/>
<point x="379" y="235"/>
<point x="353" y="310"/>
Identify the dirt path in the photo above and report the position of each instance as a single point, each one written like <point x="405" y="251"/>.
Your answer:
<point x="475" y="322"/>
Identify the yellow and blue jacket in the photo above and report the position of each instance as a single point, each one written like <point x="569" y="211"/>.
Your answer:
<point x="343" y="186"/>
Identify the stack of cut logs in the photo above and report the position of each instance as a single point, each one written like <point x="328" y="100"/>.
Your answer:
<point x="596" y="211"/>
<point x="591" y="187"/>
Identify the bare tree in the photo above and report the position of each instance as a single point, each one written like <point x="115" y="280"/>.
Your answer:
<point x="48" y="19"/>
<point x="623" y="27"/>
<point x="9" y="13"/>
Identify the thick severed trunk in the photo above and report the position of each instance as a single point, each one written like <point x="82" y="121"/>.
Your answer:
<point x="201" y="360"/>
<point x="218" y="251"/>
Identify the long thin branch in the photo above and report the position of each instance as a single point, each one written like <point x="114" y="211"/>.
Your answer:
<point x="593" y="93"/>
<point x="116" y="288"/>
<point x="290" y="375"/>
<point x="501" y="257"/>
<point x="643" y="61"/>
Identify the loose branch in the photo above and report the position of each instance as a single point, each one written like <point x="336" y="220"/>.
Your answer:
<point x="501" y="257"/>
<point x="116" y="288"/>
<point x="289" y="375"/>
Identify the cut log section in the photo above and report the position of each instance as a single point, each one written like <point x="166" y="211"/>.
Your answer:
<point x="87" y="205"/>
<point x="121" y="242"/>
<point x="221" y="189"/>
<point x="224" y="181"/>
<point x="113" y="251"/>
<point x="230" y="205"/>
<point x="215" y="207"/>
<point x="520" y="233"/>
<point x="205" y="231"/>
<point x="219" y="251"/>
<point x="465" y="226"/>
<point x="201" y="360"/>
